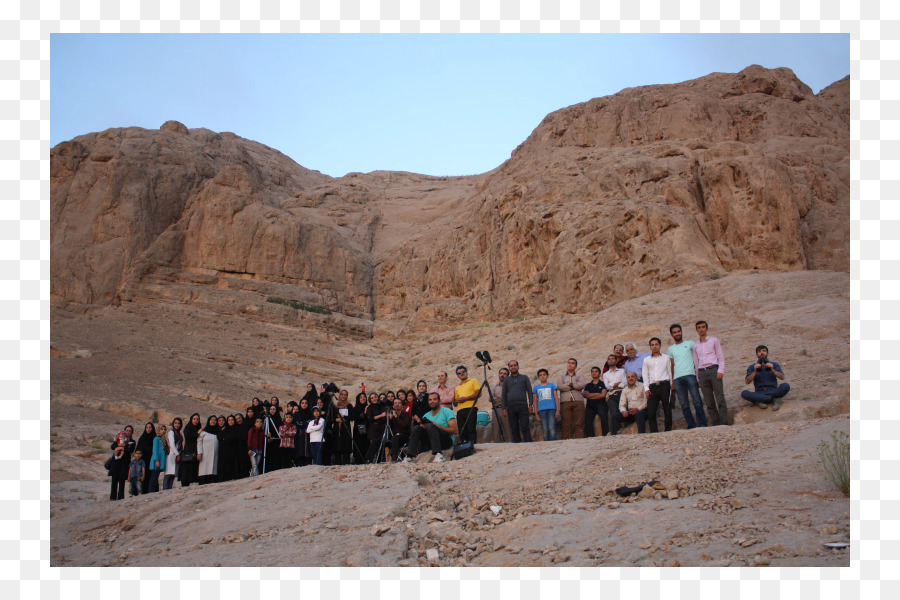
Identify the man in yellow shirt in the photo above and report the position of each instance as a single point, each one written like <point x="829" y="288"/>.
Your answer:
<point x="464" y="397"/>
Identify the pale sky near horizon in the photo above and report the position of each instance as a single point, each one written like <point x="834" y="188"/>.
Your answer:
<point x="454" y="104"/>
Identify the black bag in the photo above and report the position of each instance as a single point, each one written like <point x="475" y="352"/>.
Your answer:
<point x="187" y="456"/>
<point x="463" y="449"/>
<point x="108" y="464"/>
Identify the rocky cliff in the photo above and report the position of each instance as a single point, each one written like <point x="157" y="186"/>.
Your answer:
<point x="647" y="189"/>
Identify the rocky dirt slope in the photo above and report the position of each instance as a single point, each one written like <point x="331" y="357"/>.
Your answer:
<point x="747" y="494"/>
<point x="738" y="496"/>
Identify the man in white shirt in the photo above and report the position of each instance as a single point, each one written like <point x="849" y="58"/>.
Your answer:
<point x="657" y="376"/>
<point x="614" y="380"/>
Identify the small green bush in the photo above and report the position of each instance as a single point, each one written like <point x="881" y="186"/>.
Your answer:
<point x="715" y="275"/>
<point x="313" y="308"/>
<point x="835" y="459"/>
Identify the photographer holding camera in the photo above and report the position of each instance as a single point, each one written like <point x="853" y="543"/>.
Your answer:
<point x="765" y="375"/>
<point x="401" y="422"/>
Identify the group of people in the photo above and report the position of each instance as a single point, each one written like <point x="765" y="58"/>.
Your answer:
<point x="324" y="428"/>
<point x="265" y="438"/>
<point x="633" y="386"/>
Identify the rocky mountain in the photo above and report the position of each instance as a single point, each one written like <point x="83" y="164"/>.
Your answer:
<point x="647" y="189"/>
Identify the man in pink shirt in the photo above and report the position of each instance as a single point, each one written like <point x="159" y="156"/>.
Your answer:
<point x="710" y="364"/>
<point x="444" y="391"/>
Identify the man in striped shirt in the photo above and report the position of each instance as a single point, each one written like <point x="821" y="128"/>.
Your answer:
<point x="710" y="364"/>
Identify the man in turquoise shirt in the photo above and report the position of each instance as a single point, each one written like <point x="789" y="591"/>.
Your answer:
<point x="435" y="427"/>
<point x="684" y="377"/>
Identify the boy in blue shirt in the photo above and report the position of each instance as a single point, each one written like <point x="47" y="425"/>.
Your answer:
<point x="546" y="396"/>
<point x="135" y="474"/>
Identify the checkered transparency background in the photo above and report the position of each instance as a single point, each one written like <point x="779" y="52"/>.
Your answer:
<point x="25" y="29"/>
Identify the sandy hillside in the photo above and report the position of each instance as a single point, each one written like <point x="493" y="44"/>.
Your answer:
<point x="747" y="494"/>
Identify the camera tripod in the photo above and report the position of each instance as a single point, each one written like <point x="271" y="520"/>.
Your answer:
<point x="485" y="359"/>
<point x="266" y="445"/>
<point x="384" y="436"/>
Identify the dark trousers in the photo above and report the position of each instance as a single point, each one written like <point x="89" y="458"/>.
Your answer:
<point x="688" y="391"/>
<point x="612" y="404"/>
<point x="640" y="418"/>
<point x="362" y="446"/>
<point x="399" y="440"/>
<point x="766" y="395"/>
<point x="659" y="395"/>
<point x="287" y="457"/>
<point x="374" y="445"/>
<point x="117" y="487"/>
<point x="168" y="480"/>
<point x="134" y="486"/>
<point x="596" y="408"/>
<point x="713" y="396"/>
<point x="518" y="420"/>
<point x="429" y="436"/>
<point x="467" y="420"/>
<point x="153" y="480"/>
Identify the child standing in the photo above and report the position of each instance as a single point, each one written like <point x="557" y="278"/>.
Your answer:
<point x="136" y="474"/>
<point x="256" y="439"/>
<point x="315" y="431"/>
<point x="287" y="432"/>
<point x="546" y="396"/>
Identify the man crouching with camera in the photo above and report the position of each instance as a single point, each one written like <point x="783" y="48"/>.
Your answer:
<point x="436" y="427"/>
<point x="765" y="375"/>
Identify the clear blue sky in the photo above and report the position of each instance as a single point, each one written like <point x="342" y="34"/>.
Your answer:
<point x="433" y="104"/>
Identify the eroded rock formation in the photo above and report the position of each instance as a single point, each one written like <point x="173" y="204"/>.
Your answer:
<point x="652" y="187"/>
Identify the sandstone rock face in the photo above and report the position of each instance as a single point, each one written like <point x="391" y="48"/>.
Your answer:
<point x="647" y="189"/>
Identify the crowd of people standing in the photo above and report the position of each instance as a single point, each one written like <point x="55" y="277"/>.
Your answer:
<point x="324" y="428"/>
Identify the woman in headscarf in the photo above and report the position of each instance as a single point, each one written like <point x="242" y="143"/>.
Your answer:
<point x="277" y="403"/>
<point x="157" y="462"/>
<point x="245" y="425"/>
<point x="273" y="459"/>
<point x="188" y="466"/>
<point x="122" y="447"/>
<point x="341" y="434"/>
<point x="257" y="407"/>
<point x="359" y="429"/>
<point x="376" y="418"/>
<point x="145" y="445"/>
<point x="208" y="451"/>
<point x="229" y="449"/>
<point x="302" y="451"/>
<point x="176" y="445"/>
<point x="311" y="395"/>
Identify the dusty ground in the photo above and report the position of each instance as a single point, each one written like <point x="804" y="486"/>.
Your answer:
<point x="748" y="494"/>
